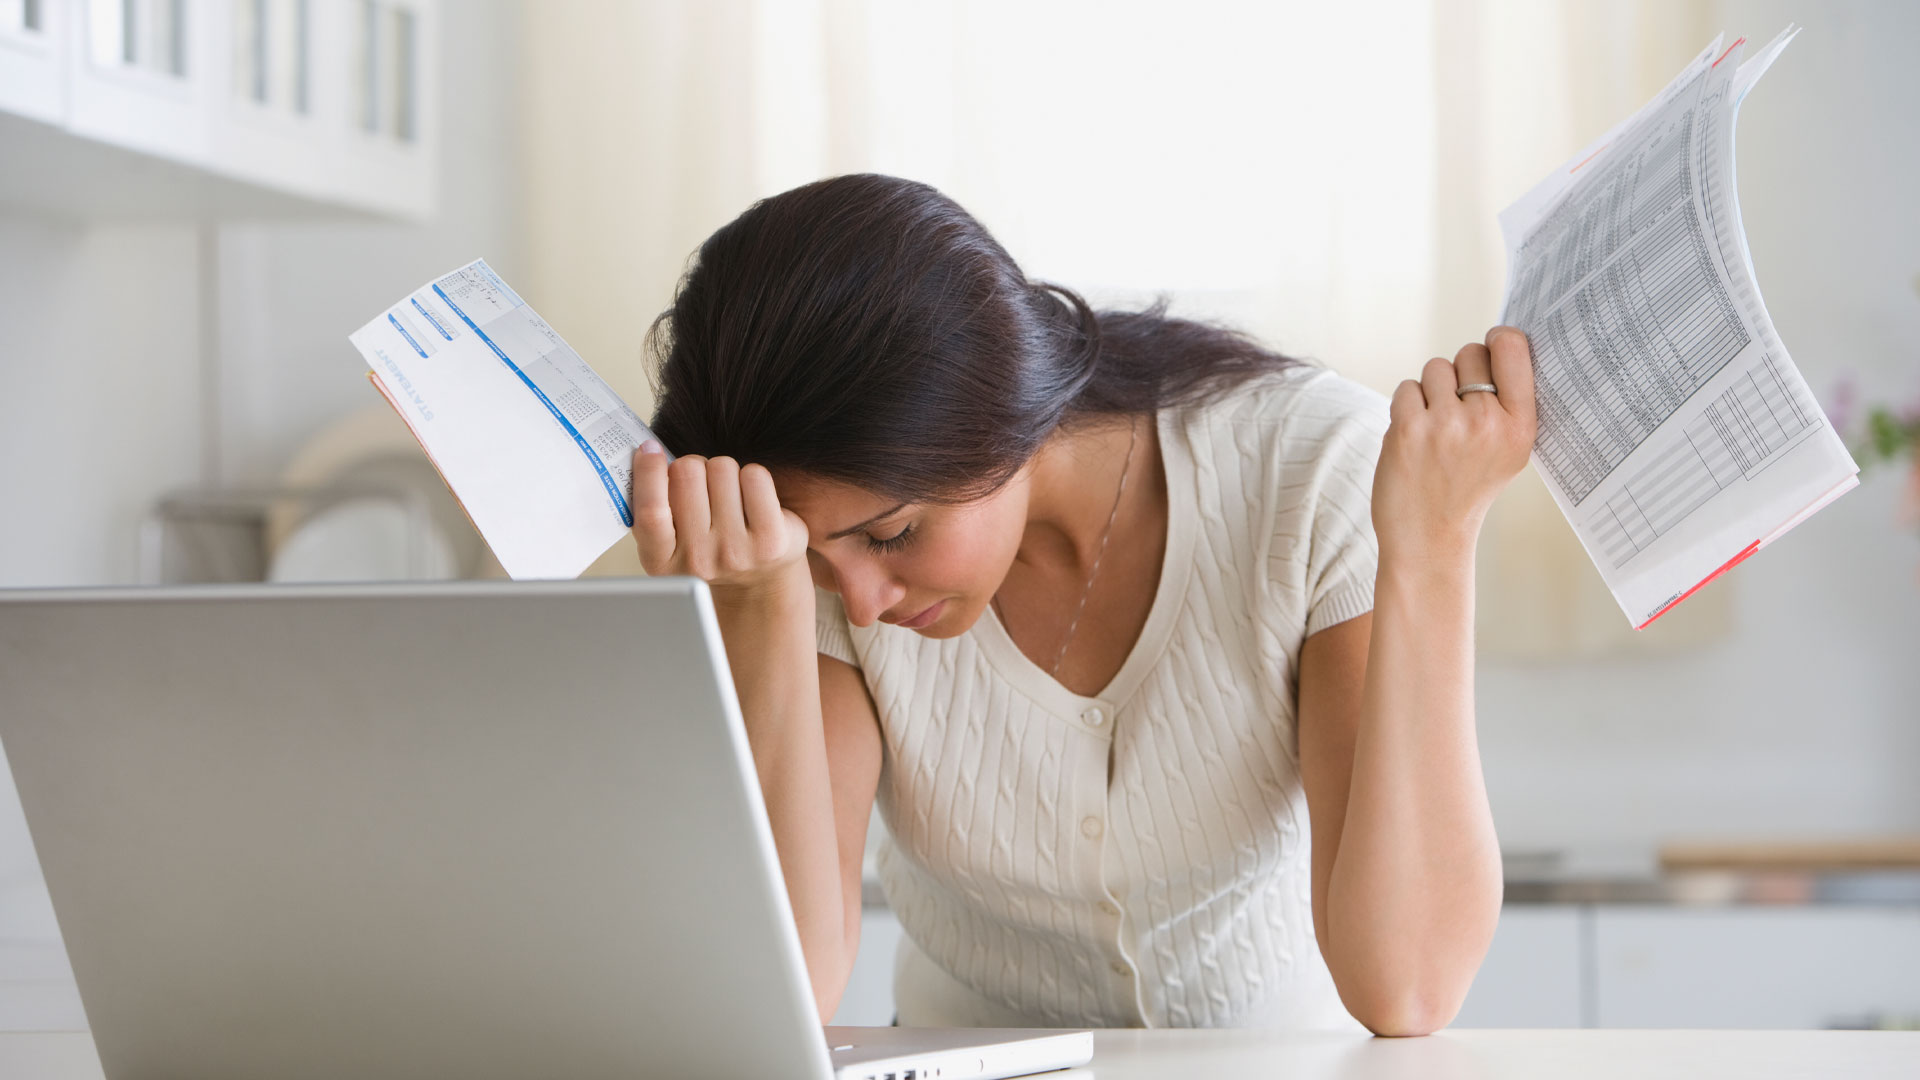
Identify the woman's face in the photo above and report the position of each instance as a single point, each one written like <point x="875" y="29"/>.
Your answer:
<point x="894" y="562"/>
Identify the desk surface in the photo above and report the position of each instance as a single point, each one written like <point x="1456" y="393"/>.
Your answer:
<point x="1465" y="1054"/>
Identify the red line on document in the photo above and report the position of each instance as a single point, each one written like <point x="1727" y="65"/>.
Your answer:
<point x="1586" y="159"/>
<point x="1736" y="44"/>
<point x="1724" y="567"/>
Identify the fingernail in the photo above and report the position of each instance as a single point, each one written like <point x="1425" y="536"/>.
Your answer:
<point x="652" y="446"/>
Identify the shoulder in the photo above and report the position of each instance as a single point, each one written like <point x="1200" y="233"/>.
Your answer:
<point x="1306" y="442"/>
<point x="1303" y="392"/>
<point x="1296" y="414"/>
<point x="1289" y="457"/>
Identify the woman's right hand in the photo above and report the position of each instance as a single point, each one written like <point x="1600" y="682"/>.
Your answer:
<point x="717" y="520"/>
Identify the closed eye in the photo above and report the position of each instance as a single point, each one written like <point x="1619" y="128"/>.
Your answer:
<point x="892" y="543"/>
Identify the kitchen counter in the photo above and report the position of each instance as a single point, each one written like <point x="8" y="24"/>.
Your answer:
<point x="1635" y="877"/>
<point x="1724" y="887"/>
<point x="1449" y="1055"/>
<point x="1689" y="878"/>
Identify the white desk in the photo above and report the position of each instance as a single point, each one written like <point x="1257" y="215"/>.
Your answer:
<point x="1451" y="1055"/>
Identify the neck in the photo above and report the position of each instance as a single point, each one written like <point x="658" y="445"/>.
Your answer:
<point x="1072" y="489"/>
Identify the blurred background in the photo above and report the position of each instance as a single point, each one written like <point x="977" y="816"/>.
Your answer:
<point x="1712" y="823"/>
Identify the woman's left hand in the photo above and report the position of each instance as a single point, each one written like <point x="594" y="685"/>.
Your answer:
<point x="1446" y="457"/>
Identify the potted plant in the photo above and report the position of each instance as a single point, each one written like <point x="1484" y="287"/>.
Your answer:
<point x="1881" y="436"/>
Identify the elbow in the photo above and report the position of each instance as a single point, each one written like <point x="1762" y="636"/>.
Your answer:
<point x="830" y="976"/>
<point x="1405" y="1024"/>
<point x="1401" y="991"/>
<point x="828" y="989"/>
<point x="1407" y="1013"/>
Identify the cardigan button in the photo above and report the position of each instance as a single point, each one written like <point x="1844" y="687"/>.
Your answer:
<point x="1095" y="716"/>
<point x="1122" y="969"/>
<point x="1091" y="828"/>
<point x="1109" y="907"/>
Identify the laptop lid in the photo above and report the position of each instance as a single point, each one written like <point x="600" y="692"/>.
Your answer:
<point x="476" y="829"/>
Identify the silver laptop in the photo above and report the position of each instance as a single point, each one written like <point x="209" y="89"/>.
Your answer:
<point x="483" y="829"/>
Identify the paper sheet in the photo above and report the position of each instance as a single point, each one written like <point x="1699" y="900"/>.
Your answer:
<point x="533" y="443"/>
<point x="1675" y="432"/>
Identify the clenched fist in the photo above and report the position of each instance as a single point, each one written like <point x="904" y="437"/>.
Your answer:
<point x="714" y="519"/>
<point x="1445" y="456"/>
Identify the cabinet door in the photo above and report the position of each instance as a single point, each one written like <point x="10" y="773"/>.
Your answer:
<point x="329" y="100"/>
<point x="138" y="74"/>
<point x="33" y="59"/>
<point x="378" y="61"/>
<point x="1803" y="967"/>
<point x="1532" y="975"/>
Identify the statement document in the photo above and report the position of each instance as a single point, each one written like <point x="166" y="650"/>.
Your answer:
<point x="1675" y="432"/>
<point x="534" y="445"/>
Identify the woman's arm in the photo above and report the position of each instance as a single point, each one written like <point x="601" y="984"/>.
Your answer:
<point x="818" y="761"/>
<point x="1406" y="867"/>
<point x="721" y="522"/>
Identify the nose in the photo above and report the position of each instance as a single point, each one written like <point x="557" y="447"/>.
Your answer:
<point x="867" y="592"/>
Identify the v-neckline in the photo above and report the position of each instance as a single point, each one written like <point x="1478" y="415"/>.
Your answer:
<point x="1175" y="569"/>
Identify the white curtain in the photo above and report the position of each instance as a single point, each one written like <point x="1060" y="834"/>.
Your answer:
<point x="1324" y="175"/>
<point x="1228" y="153"/>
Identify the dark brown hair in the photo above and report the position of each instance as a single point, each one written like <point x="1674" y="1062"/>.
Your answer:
<point x="866" y="329"/>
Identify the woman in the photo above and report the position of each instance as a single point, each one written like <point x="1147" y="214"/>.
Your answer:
<point x="1087" y="602"/>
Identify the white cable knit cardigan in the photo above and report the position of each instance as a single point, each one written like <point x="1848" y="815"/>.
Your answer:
<point x="1140" y="857"/>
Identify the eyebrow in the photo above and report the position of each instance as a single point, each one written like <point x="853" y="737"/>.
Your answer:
<point x="850" y="530"/>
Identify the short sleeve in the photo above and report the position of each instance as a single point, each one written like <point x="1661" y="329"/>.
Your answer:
<point x="830" y="627"/>
<point x="1348" y="422"/>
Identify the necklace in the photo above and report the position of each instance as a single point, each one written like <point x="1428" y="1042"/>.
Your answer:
<point x="1133" y="437"/>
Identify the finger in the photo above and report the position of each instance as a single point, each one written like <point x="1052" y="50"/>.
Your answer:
<point x="687" y="494"/>
<point x="723" y="497"/>
<point x="1438" y="383"/>
<point x="1408" y="401"/>
<point x="759" y="501"/>
<point x="1473" y="364"/>
<point x="1512" y="360"/>
<point x="652" y="516"/>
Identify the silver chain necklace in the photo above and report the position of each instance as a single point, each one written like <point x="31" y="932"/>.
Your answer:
<point x="1133" y="437"/>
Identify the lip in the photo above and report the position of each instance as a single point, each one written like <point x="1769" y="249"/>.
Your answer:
<point x="924" y="617"/>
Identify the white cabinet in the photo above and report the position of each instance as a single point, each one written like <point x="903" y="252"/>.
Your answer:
<point x="1752" y="967"/>
<point x="1533" y="975"/>
<point x="329" y="100"/>
<point x="1667" y="966"/>
<point x="33" y="59"/>
<point x="218" y="108"/>
<point x="139" y="74"/>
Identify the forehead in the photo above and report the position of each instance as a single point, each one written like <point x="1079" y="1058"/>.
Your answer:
<point x="827" y="506"/>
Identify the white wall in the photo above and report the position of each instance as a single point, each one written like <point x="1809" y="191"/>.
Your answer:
<point x="98" y="351"/>
<point x="1806" y="719"/>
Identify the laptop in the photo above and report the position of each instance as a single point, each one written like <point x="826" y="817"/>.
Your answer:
<point x="474" y="829"/>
